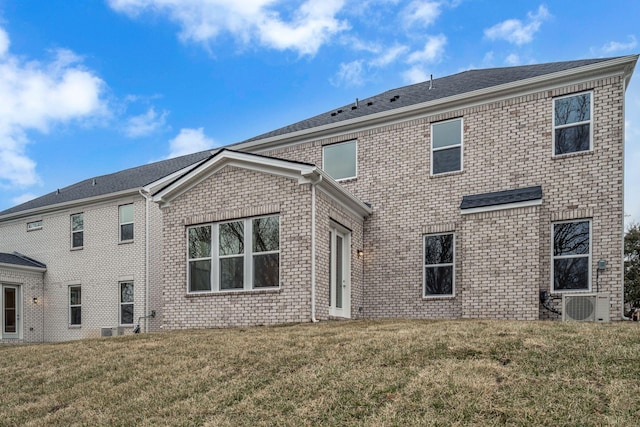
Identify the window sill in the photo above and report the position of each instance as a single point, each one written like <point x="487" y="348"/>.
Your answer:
<point x="569" y="155"/>
<point x="345" y="180"/>
<point x="234" y="292"/>
<point x="79" y="248"/>
<point x="572" y="291"/>
<point x="437" y="297"/>
<point x="75" y="326"/>
<point x="444" y="174"/>
<point x="126" y="242"/>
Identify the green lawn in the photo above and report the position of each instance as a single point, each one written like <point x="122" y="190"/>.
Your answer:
<point x="393" y="372"/>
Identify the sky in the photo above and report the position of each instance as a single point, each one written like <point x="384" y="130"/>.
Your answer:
<point x="93" y="87"/>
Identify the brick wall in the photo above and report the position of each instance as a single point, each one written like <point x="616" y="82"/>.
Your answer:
<point x="31" y="322"/>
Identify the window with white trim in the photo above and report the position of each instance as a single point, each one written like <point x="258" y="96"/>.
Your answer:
<point x="439" y="259"/>
<point x="571" y="263"/>
<point x="446" y="146"/>
<point x="35" y="225"/>
<point x="234" y="255"/>
<point x="126" y="303"/>
<point x="340" y="160"/>
<point x="75" y="305"/>
<point x="572" y="125"/>
<point x="125" y="214"/>
<point x="77" y="231"/>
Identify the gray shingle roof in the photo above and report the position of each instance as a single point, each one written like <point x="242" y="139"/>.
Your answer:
<point x="502" y="197"/>
<point x="443" y="87"/>
<point x="127" y="179"/>
<point x="19" y="259"/>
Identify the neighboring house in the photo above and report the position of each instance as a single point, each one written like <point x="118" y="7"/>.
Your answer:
<point x="461" y="197"/>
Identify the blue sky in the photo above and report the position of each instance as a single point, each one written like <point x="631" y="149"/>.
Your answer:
<point x="93" y="87"/>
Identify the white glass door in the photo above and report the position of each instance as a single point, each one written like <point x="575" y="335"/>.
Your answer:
<point x="10" y="311"/>
<point x="340" y="273"/>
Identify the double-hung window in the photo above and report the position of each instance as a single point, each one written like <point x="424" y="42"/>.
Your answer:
<point x="439" y="265"/>
<point x="446" y="146"/>
<point x="572" y="127"/>
<point x="77" y="231"/>
<point x="75" y="305"/>
<point x="126" y="303"/>
<point x="340" y="160"/>
<point x="125" y="213"/>
<point x="571" y="264"/>
<point x="234" y="255"/>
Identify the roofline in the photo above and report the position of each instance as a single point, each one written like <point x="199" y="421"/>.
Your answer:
<point x="23" y="267"/>
<point x="622" y="65"/>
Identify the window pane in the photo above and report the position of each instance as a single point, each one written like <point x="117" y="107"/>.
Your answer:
<point x="78" y="239"/>
<point x="571" y="238"/>
<point x="571" y="273"/>
<point x="75" y="296"/>
<point x="438" y="280"/>
<point x="339" y="160"/>
<point x="126" y="292"/>
<point x="572" y="139"/>
<point x="126" y="232"/>
<point x="266" y="234"/>
<point x="447" y="160"/>
<point x="266" y="270"/>
<point x="232" y="273"/>
<point x="573" y="109"/>
<point x="438" y="249"/>
<point x="126" y="314"/>
<point x="199" y="276"/>
<point x="231" y="238"/>
<point x="447" y="133"/>
<point x="77" y="222"/>
<point x="200" y="242"/>
<point x="126" y="214"/>
<point x="76" y="316"/>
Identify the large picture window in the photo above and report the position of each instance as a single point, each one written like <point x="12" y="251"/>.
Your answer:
<point x="571" y="256"/>
<point x="340" y="160"/>
<point x="234" y="255"/>
<point x="77" y="231"/>
<point x="75" y="305"/>
<point x="125" y="213"/>
<point x="572" y="123"/>
<point x="439" y="265"/>
<point x="446" y="146"/>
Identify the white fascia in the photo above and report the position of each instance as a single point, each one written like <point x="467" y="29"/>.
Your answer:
<point x="22" y="267"/>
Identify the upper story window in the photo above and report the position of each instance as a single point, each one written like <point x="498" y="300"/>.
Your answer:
<point x="35" y="225"/>
<point x="77" y="231"/>
<point x="446" y="146"/>
<point x="572" y="123"/>
<point x="571" y="256"/>
<point x="439" y="265"/>
<point x="126" y="222"/>
<point x="340" y="160"/>
<point x="234" y="255"/>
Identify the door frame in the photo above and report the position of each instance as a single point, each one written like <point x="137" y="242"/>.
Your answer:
<point x="337" y="231"/>
<point x="18" y="312"/>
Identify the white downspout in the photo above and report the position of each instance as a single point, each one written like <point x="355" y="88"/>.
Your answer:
<point x="313" y="248"/>
<point x="145" y="194"/>
<point x="624" y="91"/>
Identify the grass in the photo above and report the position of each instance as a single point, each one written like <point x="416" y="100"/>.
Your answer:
<point x="391" y="372"/>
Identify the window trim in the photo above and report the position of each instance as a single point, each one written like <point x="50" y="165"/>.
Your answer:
<point x="248" y="254"/>
<point x="121" y="304"/>
<point x="77" y="231"/>
<point x="554" y="257"/>
<point x="74" y="325"/>
<point x="36" y="227"/>
<point x="461" y="145"/>
<point x="120" y="223"/>
<point x="425" y="266"/>
<point x="354" y="141"/>
<point x="554" y="127"/>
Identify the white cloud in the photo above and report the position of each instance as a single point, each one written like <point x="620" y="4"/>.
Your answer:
<point x="189" y="141"/>
<point x="389" y="56"/>
<point x="309" y="27"/>
<point x="145" y="124"/>
<point x="515" y="31"/>
<point x="512" y="59"/>
<point x="618" y="46"/>
<point x="432" y="52"/>
<point x="423" y="13"/>
<point x="350" y="74"/>
<point x="415" y="75"/>
<point x="23" y="198"/>
<point x="36" y="96"/>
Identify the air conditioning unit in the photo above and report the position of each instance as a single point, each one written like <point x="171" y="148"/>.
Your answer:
<point x="111" y="332"/>
<point x="585" y="307"/>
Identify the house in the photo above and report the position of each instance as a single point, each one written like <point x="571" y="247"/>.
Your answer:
<point x="466" y="196"/>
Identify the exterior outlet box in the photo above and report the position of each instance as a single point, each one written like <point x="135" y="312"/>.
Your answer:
<point x="592" y="307"/>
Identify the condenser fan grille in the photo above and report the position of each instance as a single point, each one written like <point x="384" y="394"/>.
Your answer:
<point x="580" y="308"/>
